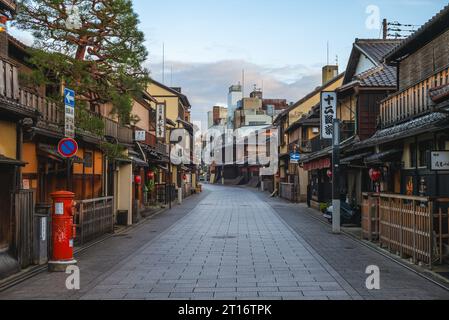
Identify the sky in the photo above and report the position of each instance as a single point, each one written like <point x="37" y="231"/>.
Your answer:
<point x="281" y="44"/>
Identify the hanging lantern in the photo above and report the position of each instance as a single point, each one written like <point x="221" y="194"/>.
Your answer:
<point x="150" y="175"/>
<point x="138" y="180"/>
<point x="330" y="174"/>
<point x="3" y="21"/>
<point x="375" y="175"/>
<point x="184" y="177"/>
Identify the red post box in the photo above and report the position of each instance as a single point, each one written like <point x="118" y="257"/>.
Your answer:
<point x="63" y="231"/>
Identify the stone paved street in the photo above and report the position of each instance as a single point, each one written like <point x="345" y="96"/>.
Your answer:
<point x="231" y="243"/>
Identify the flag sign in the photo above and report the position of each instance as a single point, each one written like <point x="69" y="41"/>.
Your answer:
<point x="69" y="102"/>
<point x="328" y="114"/>
<point x="67" y="147"/>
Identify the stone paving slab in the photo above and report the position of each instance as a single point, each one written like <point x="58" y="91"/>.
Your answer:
<point x="231" y="244"/>
<point x="350" y="259"/>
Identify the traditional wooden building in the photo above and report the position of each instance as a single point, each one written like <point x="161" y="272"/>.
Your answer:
<point x="412" y="180"/>
<point x="16" y="118"/>
<point x="414" y="121"/>
<point x="178" y="108"/>
<point x="300" y="134"/>
<point x="367" y="81"/>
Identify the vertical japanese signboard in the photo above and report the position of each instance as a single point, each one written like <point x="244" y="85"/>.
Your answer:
<point x="69" y="105"/>
<point x="160" y="121"/>
<point x="328" y="114"/>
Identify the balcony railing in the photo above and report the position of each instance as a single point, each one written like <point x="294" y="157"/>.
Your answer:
<point x="51" y="115"/>
<point x="303" y="146"/>
<point x="150" y="139"/>
<point x="125" y="135"/>
<point x="162" y="148"/>
<point x="10" y="5"/>
<point x="413" y="101"/>
<point x="318" y="144"/>
<point x="24" y="99"/>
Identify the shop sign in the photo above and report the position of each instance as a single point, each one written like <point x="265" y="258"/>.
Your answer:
<point x="160" y="121"/>
<point x="439" y="161"/>
<point x="328" y="114"/>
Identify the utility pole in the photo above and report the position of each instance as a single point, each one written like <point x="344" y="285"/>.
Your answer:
<point x="163" y="63"/>
<point x="385" y="28"/>
<point x="336" y="202"/>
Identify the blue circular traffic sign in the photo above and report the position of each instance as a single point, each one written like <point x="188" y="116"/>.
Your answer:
<point x="67" y="147"/>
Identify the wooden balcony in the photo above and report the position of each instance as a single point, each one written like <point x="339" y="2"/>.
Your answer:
<point x="162" y="148"/>
<point x="125" y="135"/>
<point x="10" y="5"/>
<point x="23" y="100"/>
<point x="50" y="114"/>
<point x="150" y="139"/>
<point x="414" y="101"/>
<point x="115" y="130"/>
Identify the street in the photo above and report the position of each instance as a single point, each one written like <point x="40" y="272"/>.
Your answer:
<point x="230" y="243"/>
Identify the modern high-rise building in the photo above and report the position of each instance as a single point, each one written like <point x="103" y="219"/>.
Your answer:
<point x="234" y="96"/>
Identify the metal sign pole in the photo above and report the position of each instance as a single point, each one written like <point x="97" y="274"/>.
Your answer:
<point x="336" y="202"/>
<point x="169" y="174"/>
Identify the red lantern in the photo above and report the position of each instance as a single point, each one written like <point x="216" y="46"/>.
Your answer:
<point x="150" y="175"/>
<point x="184" y="177"/>
<point x="375" y="175"/>
<point x="138" y="180"/>
<point x="330" y="174"/>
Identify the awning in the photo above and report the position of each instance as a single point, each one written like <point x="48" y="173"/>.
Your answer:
<point x="356" y="157"/>
<point x="380" y="158"/>
<point x="165" y="168"/>
<point x="51" y="152"/>
<point x="136" y="160"/>
<point x="11" y="162"/>
<point x="151" y="153"/>
<point x="123" y="160"/>
<point x="428" y="123"/>
<point x="320" y="164"/>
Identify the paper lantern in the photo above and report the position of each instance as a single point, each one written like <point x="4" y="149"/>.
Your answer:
<point x="138" y="180"/>
<point x="375" y="175"/>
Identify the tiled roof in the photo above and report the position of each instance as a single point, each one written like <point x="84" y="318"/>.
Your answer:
<point x="377" y="49"/>
<point x="378" y="76"/>
<point x="431" y="29"/>
<point x="383" y="76"/>
<point x="428" y="123"/>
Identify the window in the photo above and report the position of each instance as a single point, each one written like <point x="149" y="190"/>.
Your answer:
<point x="88" y="162"/>
<point x="424" y="148"/>
<point x="413" y="155"/>
<point x="442" y="143"/>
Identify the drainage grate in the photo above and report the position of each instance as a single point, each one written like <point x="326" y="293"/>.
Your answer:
<point x="127" y="236"/>
<point x="224" y="237"/>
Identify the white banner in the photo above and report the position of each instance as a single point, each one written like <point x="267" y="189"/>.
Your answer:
<point x="328" y="114"/>
<point x="160" y="121"/>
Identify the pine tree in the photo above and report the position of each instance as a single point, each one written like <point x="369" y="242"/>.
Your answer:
<point x="92" y="46"/>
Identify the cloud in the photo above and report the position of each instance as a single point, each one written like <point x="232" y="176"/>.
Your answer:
<point x="206" y="84"/>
